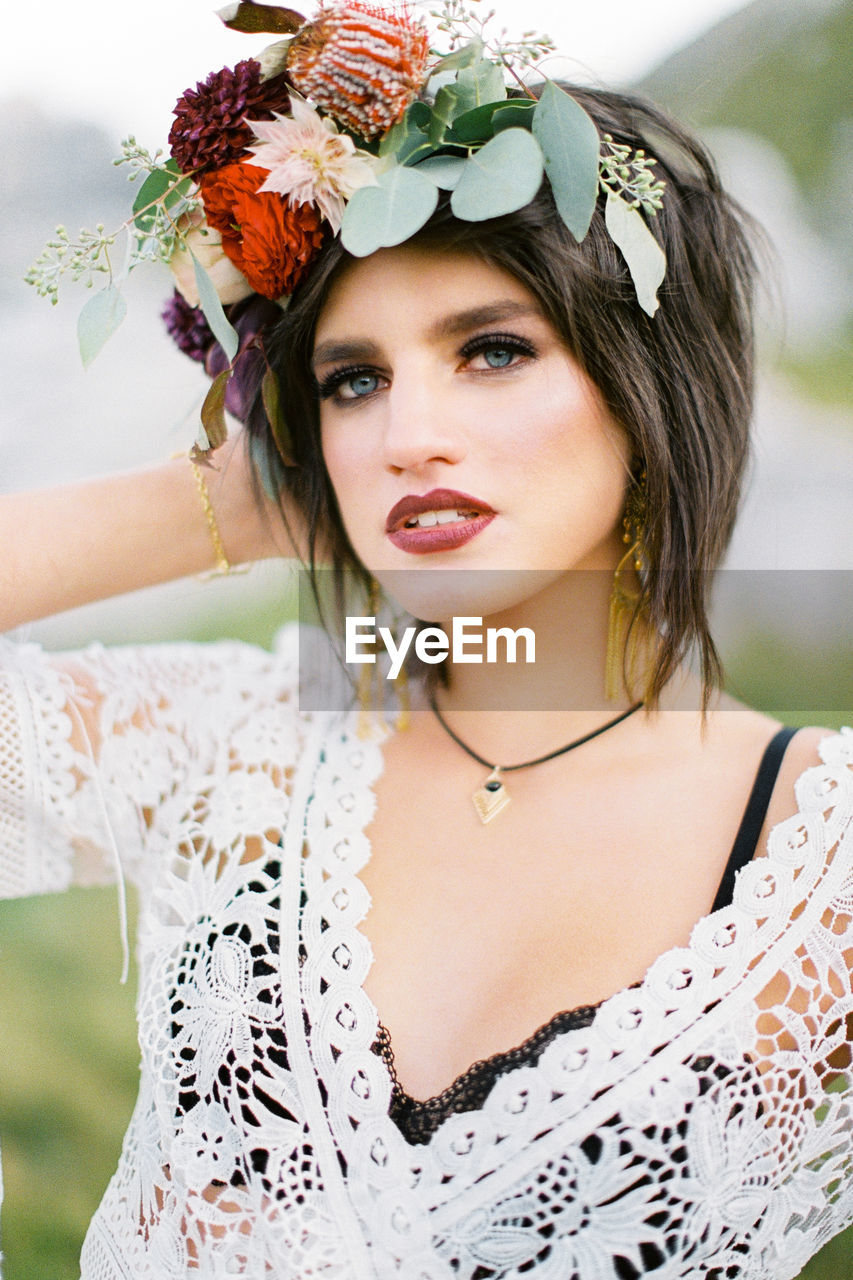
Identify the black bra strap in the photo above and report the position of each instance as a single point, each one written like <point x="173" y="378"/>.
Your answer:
<point x="746" y="840"/>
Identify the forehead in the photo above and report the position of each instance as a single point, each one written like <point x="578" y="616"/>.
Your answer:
<point x="416" y="287"/>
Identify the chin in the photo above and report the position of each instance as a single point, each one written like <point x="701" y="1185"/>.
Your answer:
<point x="437" y="595"/>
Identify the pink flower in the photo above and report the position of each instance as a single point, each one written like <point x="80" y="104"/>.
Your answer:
<point x="309" y="162"/>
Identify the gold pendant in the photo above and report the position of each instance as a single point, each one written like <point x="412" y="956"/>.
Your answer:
<point x="491" y="797"/>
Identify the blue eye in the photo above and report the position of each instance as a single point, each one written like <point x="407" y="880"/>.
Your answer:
<point x="498" y="357"/>
<point x="360" y="384"/>
<point x="499" y="350"/>
<point x="349" y="384"/>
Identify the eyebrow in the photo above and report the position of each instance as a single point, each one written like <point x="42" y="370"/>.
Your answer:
<point x="363" y="349"/>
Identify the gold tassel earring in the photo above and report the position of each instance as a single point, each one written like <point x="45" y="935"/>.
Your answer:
<point x="628" y="641"/>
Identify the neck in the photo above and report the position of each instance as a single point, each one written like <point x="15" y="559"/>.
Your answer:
<point x="568" y="619"/>
<point x="555" y="699"/>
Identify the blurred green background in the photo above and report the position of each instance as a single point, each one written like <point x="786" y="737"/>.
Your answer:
<point x="770" y="86"/>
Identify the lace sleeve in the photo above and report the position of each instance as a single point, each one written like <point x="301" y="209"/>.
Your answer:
<point x="94" y="745"/>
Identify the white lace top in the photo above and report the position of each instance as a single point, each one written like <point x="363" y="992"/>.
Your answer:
<point x="700" y="1126"/>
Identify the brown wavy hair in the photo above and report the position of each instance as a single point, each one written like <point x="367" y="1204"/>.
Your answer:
<point x="680" y="383"/>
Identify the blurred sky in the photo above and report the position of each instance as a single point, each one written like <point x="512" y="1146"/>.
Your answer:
<point x="124" y="65"/>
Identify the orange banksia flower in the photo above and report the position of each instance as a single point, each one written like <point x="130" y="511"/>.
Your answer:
<point x="270" y="241"/>
<point x="361" y="64"/>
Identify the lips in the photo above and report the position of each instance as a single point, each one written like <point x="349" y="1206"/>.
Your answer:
<point x="415" y="523"/>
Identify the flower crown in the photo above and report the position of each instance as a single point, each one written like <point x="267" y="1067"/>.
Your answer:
<point x="349" y="125"/>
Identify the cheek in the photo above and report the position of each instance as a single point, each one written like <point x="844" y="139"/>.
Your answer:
<point x="568" y="441"/>
<point x="346" y="471"/>
<point x="577" y="466"/>
<point x="338" y="455"/>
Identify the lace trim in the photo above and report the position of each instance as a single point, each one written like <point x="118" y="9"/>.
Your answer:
<point x="419" y="1119"/>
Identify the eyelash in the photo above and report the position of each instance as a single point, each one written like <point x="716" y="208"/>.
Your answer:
<point x="498" y="342"/>
<point x="517" y="346"/>
<point x="338" y="377"/>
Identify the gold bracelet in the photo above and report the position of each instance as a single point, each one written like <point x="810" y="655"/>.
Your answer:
<point x="222" y="563"/>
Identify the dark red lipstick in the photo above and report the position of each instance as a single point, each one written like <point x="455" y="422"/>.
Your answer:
<point x="405" y="530"/>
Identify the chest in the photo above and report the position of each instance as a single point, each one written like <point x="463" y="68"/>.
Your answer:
<point x="480" y="934"/>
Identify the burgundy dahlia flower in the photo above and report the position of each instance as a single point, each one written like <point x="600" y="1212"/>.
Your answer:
<point x="209" y="129"/>
<point x="188" y="327"/>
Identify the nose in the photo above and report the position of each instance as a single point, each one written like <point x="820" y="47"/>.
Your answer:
<point x="420" y="429"/>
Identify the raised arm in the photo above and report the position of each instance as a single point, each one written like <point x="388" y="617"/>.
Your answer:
<point x="71" y="545"/>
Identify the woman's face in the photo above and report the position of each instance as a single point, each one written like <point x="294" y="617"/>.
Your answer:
<point x="459" y="433"/>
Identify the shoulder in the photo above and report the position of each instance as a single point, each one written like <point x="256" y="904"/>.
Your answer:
<point x="827" y="751"/>
<point x="743" y="735"/>
<point x="730" y="754"/>
<point x="807" y="828"/>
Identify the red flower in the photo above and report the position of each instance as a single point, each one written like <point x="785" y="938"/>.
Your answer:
<point x="270" y="242"/>
<point x="360" y="63"/>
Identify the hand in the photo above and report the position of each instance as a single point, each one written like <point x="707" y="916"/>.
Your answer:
<point x="250" y="523"/>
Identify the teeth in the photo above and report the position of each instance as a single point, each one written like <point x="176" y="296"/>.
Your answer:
<point x="428" y="519"/>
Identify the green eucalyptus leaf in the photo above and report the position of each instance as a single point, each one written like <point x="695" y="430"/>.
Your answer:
<point x="500" y="178"/>
<point x="271" y="398"/>
<point x="394" y="138"/>
<point x="153" y="188"/>
<point x="481" y="83"/>
<point x="98" y="321"/>
<point x="253" y="18"/>
<point x="163" y="184"/>
<point x="515" y="113"/>
<point x="464" y="57"/>
<point x="445" y="108"/>
<point x="437" y="82"/>
<point x="414" y="124"/>
<point x="645" y="258"/>
<point x="389" y="213"/>
<point x="417" y="148"/>
<point x="213" y="410"/>
<point x="475" y="86"/>
<point x="418" y="115"/>
<point x="209" y="302"/>
<point x="444" y="171"/>
<point x="570" y="145"/>
<point x="477" y="125"/>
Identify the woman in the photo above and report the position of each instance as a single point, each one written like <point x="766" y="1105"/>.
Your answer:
<point x="331" y="932"/>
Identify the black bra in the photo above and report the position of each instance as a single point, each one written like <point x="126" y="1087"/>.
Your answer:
<point x="418" y="1120"/>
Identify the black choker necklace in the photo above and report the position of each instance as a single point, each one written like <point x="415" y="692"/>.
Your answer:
<point x="492" y="796"/>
